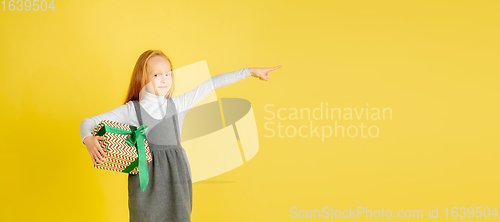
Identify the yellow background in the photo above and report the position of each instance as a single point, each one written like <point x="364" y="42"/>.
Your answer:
<point x="434" y="63"/>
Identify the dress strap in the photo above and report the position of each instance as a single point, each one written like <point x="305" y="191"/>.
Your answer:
<point x="137" y="107"/>
<point x="171" y="106"/>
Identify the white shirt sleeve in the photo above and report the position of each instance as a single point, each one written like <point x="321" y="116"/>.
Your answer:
<point x="187" y="100"/>
<point x="121" y="114"/>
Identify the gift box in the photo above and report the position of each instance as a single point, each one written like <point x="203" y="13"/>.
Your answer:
<point x="126" y="149"/>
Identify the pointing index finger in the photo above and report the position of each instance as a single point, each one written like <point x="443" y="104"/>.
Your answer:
<point x="276" y="67"/>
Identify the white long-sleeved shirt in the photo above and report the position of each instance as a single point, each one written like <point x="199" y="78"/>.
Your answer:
<point x="156" y="106"/>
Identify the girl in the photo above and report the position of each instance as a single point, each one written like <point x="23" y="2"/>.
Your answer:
<point x="168" y="195"/>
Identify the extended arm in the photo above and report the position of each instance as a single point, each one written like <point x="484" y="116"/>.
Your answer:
<point x="188" y="100"/>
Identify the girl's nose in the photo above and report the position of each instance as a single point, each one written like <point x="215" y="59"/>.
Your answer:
<point x="164" y="78"/>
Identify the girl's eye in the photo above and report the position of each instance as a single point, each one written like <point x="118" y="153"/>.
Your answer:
<point x="168" y="74"/>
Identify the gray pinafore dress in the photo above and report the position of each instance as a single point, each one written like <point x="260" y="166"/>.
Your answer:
<point x="169" y="194"/>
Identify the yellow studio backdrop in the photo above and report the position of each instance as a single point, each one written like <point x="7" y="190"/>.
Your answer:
<point x="380" y="106"/>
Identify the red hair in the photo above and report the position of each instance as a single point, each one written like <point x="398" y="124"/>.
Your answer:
<point x="138" y="80"/>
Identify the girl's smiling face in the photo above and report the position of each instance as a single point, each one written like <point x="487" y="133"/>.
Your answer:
<point x="159" y="76"/>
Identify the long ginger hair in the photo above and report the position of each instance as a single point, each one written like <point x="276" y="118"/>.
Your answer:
<point x="136" y="88"/>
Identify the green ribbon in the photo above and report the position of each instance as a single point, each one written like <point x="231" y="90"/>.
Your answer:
<point x="137" y="138"/>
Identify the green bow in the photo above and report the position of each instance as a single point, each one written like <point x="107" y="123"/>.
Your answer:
<point x="137" y="137"/>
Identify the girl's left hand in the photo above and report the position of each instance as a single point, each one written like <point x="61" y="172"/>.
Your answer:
<point x="262" y="73"/>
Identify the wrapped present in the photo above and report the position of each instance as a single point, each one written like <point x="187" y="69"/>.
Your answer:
<point x="126" y="149"/>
